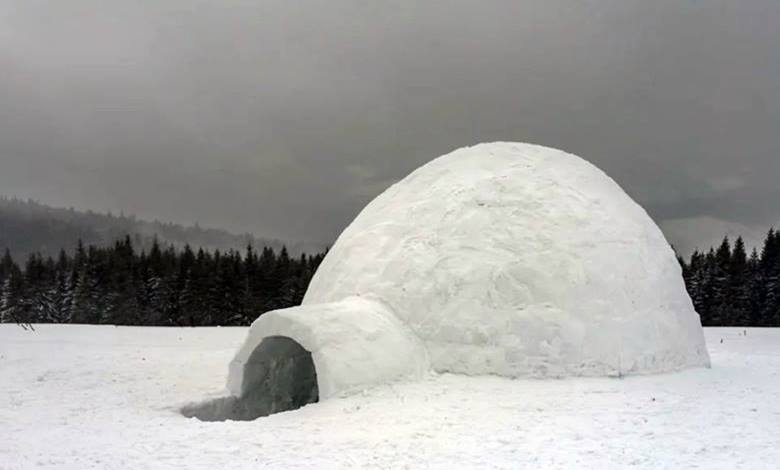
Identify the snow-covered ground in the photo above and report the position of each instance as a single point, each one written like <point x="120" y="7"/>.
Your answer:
<point x="80" y="397"/>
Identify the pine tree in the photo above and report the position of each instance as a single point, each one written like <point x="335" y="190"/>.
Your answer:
<point x="708" y="289"/>
<point x="770" y="261"/>
<point x="695" y="277"/>
<point x="235" y="288"/>
<point x="722" y="306"/>
<point x="283" y="284"/>
<point x="84" y="306"/>
<point x="190" y="306"/>
<point x="253" y="294"/>
<point x="11" y="303"/>
<point x="6" y="302"/>
<point x="738" y="290"/>
<point x="267" y="285"/>
<point x="755" y="287"/>
<point x="35" y="302"/>
<point x="60" y="296"/>
<point x="7" y="266"/>
<point x="157" y="294"/>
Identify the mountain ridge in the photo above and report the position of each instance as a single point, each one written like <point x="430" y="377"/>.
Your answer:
<point x="28" y="226"/>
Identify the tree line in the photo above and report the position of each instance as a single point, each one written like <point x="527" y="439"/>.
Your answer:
<point x="169" y="287"/>
<point x="162" y="287"/>
<point x="731" y="288"/>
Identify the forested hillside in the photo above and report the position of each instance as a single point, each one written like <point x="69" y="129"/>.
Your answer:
<point x="28" y="227"/>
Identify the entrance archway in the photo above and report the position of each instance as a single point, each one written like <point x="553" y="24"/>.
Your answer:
<point x="279" y="376"/>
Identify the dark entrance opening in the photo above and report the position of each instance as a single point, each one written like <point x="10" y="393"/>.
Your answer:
<point x="279" y="376"/>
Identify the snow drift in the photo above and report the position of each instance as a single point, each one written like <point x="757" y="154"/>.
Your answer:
<point x="505" y="258"/>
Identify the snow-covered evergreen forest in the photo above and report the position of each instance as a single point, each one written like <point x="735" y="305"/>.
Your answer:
<point x="731" y="288"/>
<point x="164" y="286"/>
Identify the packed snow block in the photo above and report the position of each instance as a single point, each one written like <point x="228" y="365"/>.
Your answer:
<point x="353" y="343"/>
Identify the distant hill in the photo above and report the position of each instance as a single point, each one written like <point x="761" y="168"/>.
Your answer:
<point x="28" y="227"/>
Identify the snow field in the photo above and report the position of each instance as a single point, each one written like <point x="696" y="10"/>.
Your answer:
<point x="93" y="397"/>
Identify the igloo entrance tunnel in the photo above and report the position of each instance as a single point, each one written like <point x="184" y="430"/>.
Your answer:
<point x="505" y="258"/>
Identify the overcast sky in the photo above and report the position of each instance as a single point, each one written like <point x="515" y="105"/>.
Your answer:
<point x="284" y="118"/>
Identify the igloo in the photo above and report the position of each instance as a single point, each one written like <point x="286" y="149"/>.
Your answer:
<point x="505" y="258"/>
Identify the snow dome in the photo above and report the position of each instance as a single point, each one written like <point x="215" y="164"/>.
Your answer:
<point x="504" y="258"/>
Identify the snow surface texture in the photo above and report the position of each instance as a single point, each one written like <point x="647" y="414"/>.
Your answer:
<point x="505" y="258"/>
<point x="105" y="398"/>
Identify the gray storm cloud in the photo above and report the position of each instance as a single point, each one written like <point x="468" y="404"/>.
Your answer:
<point x="285" y="118"/>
